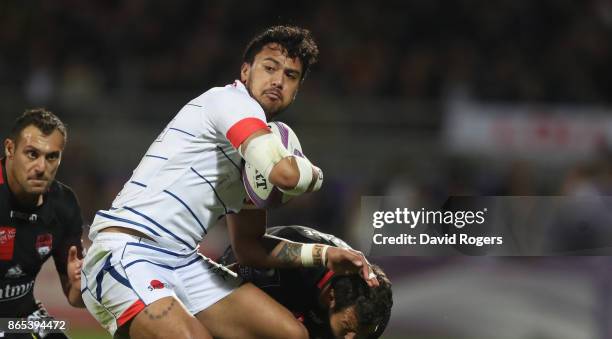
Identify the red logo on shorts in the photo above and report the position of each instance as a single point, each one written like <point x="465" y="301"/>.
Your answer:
<point x="156" y="285"/>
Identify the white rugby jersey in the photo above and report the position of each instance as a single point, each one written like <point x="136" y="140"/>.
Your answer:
<point x="190" y="176"/>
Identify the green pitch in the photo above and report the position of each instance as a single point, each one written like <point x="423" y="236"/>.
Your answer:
<point x="88" y="334"/>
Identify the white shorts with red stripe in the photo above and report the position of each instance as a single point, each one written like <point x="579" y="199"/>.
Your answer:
<point x="123" y="273"/>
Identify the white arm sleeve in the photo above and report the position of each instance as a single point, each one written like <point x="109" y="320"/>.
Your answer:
<point x="305" y="167"/>
<point x="265" y="151"/>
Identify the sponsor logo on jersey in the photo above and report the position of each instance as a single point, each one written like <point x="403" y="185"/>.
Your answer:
<point x="43" y="244"/>
<point x="7" y="242"/>
<point x="14" y="272"/>
<point x="156" y="285"/>
<point x="23" y="216"/>
<point x="15" y="291"/>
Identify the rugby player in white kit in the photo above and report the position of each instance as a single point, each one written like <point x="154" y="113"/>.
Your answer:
<point x="143" y="276"/>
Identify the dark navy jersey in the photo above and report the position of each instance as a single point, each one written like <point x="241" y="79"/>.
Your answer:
<point x="28" y="237"/>
<point x="297" y="289"/>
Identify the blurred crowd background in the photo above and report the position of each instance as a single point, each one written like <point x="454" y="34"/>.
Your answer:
<point x="416" y="99"/>
<point x="498" y="50"/>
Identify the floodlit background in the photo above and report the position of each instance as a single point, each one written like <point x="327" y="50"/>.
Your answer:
<point x="415" y="99"/>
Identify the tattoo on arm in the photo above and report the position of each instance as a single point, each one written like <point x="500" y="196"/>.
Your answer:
<point x="269" y="242"/>
<point x="290" y="253"/>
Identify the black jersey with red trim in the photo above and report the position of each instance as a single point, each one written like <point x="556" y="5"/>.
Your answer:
<point x="297" y="289"/>
<point x="28" y="237"/>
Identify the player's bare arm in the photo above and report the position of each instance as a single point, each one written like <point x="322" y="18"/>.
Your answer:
<point x="253" y="248"/>
<point x="339" y="260"/>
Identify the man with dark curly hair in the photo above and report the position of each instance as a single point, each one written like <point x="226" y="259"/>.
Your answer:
<point x="143" y="276"/>
<point x="329" y="305"/>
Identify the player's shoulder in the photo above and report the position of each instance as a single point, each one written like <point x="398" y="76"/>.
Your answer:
<point x="229" y="95"/>
<point x="65" y="204"/>
<point x="62" y="194"/>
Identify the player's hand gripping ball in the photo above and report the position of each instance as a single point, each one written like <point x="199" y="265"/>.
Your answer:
<point x="259" y="190"/>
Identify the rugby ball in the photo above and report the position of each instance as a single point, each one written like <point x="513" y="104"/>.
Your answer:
<point x="259" y="190"/>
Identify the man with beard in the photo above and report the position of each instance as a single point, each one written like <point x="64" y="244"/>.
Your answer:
<point x="39" y="218"/>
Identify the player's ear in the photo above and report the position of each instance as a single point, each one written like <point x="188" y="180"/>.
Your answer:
<point x="245" y="69"/>
<point x="9" y="148"/>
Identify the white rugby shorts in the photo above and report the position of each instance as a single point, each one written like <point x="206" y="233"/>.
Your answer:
<point x="122" y="274"/>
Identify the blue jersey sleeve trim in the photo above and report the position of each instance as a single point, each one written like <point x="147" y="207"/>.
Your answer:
<point x="138" y="183"/>
<point x="180" y="130"/>
<point x="155" y="156"/>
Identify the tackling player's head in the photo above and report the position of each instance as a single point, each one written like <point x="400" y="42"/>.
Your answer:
<point x="275" y="63"/>
<point x="358" y="311"/>
<point x="33" y="153"/>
